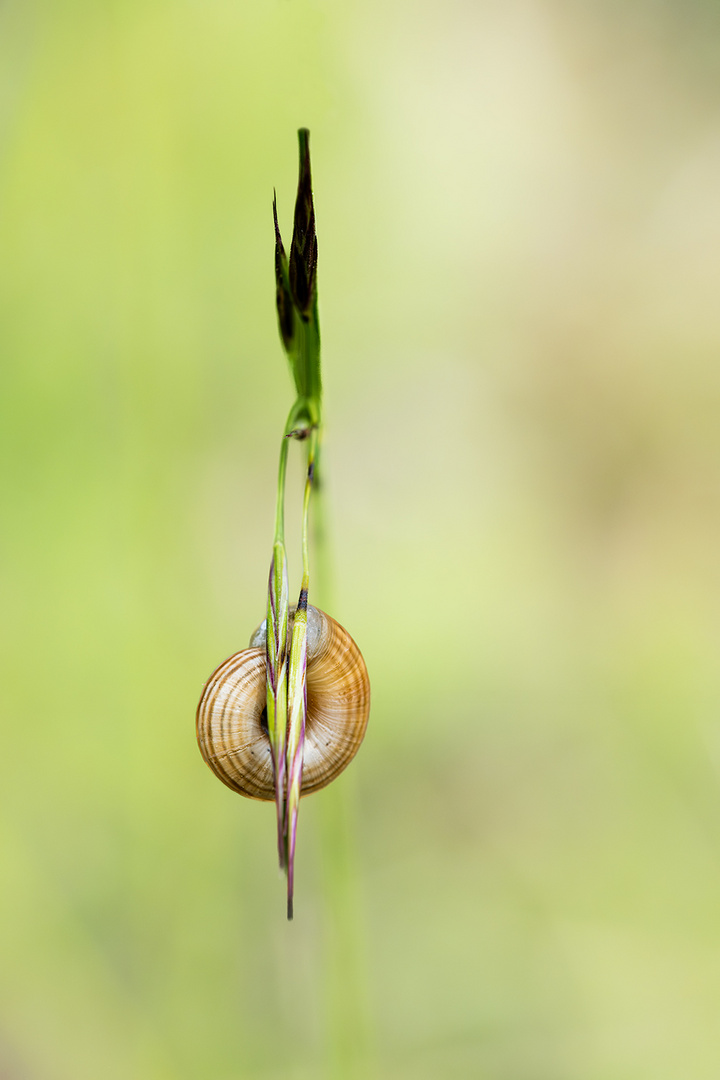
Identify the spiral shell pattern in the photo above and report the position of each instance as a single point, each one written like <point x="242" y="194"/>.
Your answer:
<point x="231" y="715"/>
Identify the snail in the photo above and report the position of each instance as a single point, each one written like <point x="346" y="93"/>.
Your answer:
<point x="232" y="720"/>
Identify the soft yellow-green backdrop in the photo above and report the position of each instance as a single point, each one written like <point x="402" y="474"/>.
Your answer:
<point x="517" y="207"/>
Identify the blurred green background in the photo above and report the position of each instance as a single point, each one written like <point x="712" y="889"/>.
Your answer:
<point x="519" y="226"/>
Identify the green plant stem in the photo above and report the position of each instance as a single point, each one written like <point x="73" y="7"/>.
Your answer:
<point x="280" y="504"/>
<point x="349" y="1036"/>
<point x="348" y="1027"/>
<point x="309" y="488"/>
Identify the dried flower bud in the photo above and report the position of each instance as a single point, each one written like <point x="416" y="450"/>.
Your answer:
<point x="283" y="298"/>
<point x="303" y="250"/>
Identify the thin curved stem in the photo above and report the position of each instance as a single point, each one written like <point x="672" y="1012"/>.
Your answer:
<point x="297" y="694"/>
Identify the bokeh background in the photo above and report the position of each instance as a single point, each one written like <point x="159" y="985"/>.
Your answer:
<point x="519" y="227"/>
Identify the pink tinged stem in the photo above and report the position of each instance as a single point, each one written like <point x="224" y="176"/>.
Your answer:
<point x="294" y="786"/>
<point x="276" y="665"/>
<point x="296" y="735"/>
<point x="279" y="767"/>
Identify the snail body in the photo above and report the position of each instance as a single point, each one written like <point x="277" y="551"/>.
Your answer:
<point x="231" y="716"/>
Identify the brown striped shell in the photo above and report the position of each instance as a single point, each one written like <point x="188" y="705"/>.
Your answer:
<point x="231" y="713"/>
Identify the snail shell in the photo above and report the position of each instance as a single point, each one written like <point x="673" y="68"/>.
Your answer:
<point x="231" y="717"/>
